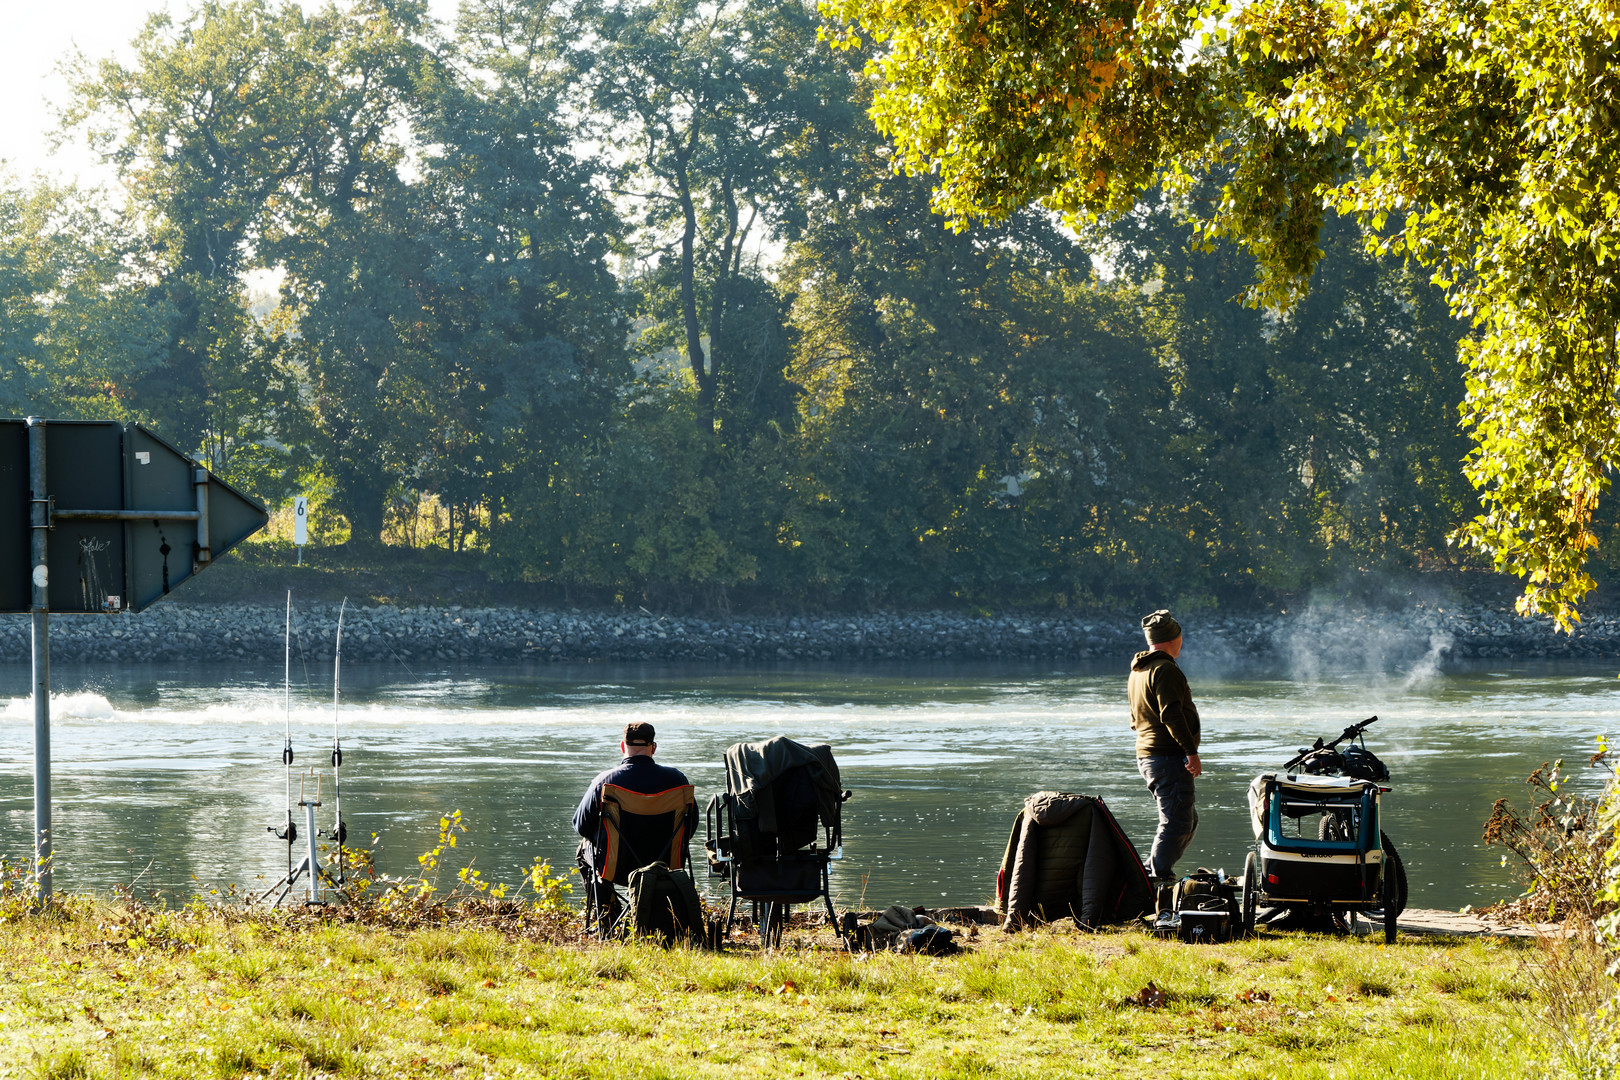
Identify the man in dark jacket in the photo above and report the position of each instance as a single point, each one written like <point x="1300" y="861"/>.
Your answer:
<point x="636" y="772"/>
<point x="1166" y="724"/>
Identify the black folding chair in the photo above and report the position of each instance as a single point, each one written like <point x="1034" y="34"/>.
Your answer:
<point x="775" y="831"/>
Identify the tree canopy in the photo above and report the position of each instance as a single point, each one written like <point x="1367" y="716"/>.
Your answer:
<point x="1477" y="137"/>
<point x="625" y="299"/>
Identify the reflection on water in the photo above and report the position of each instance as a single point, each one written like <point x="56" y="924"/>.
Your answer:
<point x="172" y="777"/>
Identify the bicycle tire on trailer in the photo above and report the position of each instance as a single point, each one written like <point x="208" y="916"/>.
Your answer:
<point x="1335" y="827"/>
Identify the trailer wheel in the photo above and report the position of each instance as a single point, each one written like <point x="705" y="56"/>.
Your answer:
<point x="1389" y="906"/>
<point x="1251" y="892"/>
<point x="1335" y="826"/>
<point x="1396" y="870"/>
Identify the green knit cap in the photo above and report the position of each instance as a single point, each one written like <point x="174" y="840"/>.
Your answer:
<point x="1161" y="626"/>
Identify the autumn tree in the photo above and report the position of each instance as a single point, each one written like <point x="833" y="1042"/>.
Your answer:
<point x="1476" y="138"/>
<point x="212" y="130"/>
<point x="80" y="326"/>
<point x="709" y="99"/>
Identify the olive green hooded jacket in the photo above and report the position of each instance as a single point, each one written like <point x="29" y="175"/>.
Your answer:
<point x="1162" y="711"/>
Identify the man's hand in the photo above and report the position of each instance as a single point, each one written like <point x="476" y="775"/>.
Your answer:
<point x="1195" y="766"/>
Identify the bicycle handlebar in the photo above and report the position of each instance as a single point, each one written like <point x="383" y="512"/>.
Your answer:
<point x="1348" y="733"/>
<point x="1353" y="730"/>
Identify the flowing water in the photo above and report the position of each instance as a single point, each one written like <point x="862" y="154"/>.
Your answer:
<point x="168" y="779"/>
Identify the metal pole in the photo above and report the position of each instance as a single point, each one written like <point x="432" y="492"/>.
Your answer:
<point x="200" y="482"/>
<point x="339" y="833"/>
<point x="39" y="526"/>
<point x="286" y="749"/>
<point x="313" y="886"/>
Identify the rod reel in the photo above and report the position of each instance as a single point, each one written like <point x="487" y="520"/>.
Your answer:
<point x="290" y="833"/>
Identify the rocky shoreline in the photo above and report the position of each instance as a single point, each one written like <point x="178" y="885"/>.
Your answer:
<point x="1337" y="637"/>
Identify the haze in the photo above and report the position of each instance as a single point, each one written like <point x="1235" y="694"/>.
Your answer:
<point x="38" y="38"/>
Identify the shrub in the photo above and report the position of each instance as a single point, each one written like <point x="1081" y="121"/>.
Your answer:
<point x="1563" y="846"/>
<point x="1570" y="845"/>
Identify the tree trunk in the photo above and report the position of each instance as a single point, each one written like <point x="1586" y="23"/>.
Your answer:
<point x="689" y="315"/>
<point x="365" y="514"/>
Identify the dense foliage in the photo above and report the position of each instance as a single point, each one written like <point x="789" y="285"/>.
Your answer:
<point x="628" y="299"/>
<point x="1477" y="137"/>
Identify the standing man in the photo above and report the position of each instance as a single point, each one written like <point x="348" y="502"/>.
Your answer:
<point x="1166" y="724"/>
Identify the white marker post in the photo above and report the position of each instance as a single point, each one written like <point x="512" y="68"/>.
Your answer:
<point x="300" y="525"/>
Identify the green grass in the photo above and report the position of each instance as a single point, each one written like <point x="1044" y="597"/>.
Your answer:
<point x="112" y="992"/>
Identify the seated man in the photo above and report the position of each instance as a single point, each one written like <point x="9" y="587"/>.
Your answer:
<point x="647" y="840"/>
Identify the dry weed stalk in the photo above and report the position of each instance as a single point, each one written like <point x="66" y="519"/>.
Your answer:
<point x="1563" y="848"/>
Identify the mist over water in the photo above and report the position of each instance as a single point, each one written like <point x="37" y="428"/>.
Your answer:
<point x="172" y="777"/>
<point x="1329" y="641"/>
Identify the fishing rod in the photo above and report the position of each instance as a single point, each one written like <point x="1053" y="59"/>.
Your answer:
<point x="290" y="833"/>
<point x="340" y="832"/>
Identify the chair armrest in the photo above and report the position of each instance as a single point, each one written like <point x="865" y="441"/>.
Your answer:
<point x="718" y="827"/>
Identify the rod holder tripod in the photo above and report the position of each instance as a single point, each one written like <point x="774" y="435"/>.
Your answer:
<point x="316" y="881"/>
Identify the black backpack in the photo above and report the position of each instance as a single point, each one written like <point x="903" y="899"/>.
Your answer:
<point x="1207" y="907"/>
<point x="664" y="903"/>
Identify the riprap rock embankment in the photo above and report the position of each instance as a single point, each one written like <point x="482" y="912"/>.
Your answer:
<point x="1327" y="636"/>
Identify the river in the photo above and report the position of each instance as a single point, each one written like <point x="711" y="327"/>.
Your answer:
<point x="168" y="778"/>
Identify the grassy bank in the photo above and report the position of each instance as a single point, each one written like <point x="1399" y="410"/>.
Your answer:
<point x="117" y="991"/>
<point x="405" y="577"/>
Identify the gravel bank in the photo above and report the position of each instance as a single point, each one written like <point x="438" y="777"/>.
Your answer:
<point x="1421" y="634"/>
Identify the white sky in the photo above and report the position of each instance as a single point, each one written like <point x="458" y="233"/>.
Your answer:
<point x="36" y="36"/>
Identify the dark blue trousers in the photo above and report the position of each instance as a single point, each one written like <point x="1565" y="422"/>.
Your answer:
<point x="1171" y="786"/>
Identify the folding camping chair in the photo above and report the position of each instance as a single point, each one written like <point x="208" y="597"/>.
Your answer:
<point x="639" y="830"/>
<point x="776" y="829"/>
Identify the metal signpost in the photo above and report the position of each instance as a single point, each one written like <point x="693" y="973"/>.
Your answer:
<point x="300" y="526"/>
<point x="124" y="517"/>
<point x="39" y="524"/>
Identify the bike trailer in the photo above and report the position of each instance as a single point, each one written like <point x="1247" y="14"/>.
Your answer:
<point x="1319" y="839"/>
